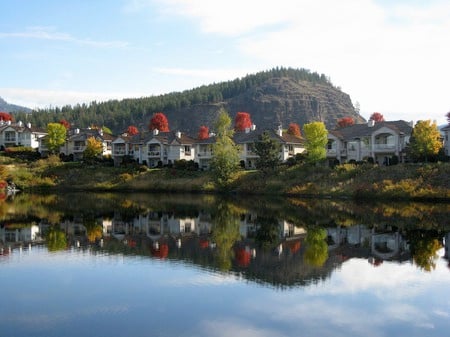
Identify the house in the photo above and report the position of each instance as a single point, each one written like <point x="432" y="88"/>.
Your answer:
<point x="381" y="141"/>
<point x="290" y="145"/>
<point x="76" y="142"/>
<point x="446" y="136"/>
<point x="19" y="134"/>
<point x="154" y="148"/>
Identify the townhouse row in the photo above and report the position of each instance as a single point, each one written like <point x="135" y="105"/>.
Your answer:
<point x="381" y="141"/>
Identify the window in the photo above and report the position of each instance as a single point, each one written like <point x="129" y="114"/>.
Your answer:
<point x="187" y="150"/>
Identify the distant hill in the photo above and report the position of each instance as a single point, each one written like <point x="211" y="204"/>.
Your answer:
<point x="276" y="97"/>
<point x="6" y="107"/>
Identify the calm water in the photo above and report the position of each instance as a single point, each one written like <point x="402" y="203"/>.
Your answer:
<point x="140" y="265"/>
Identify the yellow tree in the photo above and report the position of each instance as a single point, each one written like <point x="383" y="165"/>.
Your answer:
<point x="425" y="141"/>
<point x="93" y="149"/>
<point x="316" y="136"/>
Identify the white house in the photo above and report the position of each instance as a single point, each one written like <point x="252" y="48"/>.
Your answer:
<point x="380" y="141"/>
<point x="446" y="136"/>
<point x="19" y="134"/>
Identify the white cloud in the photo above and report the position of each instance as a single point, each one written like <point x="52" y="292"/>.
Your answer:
<point x="51" y="34"/>
<point x="227" y="327"/>
<point x="34" y="98"/>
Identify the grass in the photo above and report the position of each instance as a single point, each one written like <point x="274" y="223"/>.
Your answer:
<point x="406" y="181"/>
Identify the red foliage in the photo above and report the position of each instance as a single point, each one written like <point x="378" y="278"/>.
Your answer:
<point x="294" y="129"/>
<point x="203" y="132"/>
<point x="132" y="130"/>
<point x="243" y="257"/>
<point x="159" y="121"/>
<point x="162" y="252"/>
<point x="377" y="117"/>
<point x="204" y="243"/>
<point x="345" y="121"/>
<point x="4" y="116"/>
<point x="242" y="121"/>
<point x="65" y="123"/>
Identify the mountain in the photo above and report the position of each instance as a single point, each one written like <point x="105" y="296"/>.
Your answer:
<point x="6" y="107"/>
<point x="275" y="97"/>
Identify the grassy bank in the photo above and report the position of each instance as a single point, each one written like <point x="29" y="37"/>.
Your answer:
<point x="407" y="181"/>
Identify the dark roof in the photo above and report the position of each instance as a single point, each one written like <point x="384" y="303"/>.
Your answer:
<point x="253" y="136"/>
<point x="163" y="137"/>
<point x="364" y="130"/>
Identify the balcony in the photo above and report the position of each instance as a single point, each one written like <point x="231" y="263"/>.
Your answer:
<point x="385" y="147"/>
<point x="119" y="152"/>
<point x="154" y="154"/>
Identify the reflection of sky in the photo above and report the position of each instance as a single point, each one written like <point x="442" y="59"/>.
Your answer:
<point x="79" y="294"/>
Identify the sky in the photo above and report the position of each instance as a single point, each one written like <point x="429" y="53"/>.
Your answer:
<point x="390" y="56"/>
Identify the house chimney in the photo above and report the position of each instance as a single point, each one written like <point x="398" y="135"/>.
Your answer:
<point x="178" y="134"/>
<point x="29" y="125"/>
<point x="155" y="132"/>
<point x="280" y="131"/>
<point x="370" y="123"/>
<point x="19" y="123"/>
<point x="77" y="131"/>
<point x="247" y="130"/>
<point x="253" y="128"/>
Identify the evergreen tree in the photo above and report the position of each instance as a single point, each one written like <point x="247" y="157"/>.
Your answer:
<point x="268" y="151"/>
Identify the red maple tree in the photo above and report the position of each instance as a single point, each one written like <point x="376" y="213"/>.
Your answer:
<point x="65" y="123"/>
<point x="203" y="132"/>
<point x="132" y="130"/>
<point x="242" y="121"/>
<point x="159" y="121"/>
<point x="345" y="121"/>
<point x="294" y="129"/>
<point x="377" y="117"/>
<point x="4" y="116"/>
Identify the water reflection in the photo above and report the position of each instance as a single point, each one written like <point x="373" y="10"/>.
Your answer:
<point x="277" y="242"/>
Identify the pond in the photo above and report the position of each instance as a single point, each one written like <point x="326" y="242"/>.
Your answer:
<point x="192" y="265"/>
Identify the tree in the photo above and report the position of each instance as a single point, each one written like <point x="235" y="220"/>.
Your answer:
<point x="316" y="140"/>
<point x="268" y="151"/>
<point x="159" y="122"/>
<point x="316" y="252"/>
<point x="242" y="121"/>
<point x="132" y="130"/>
<point x="225" y="159"/>
<point x="345" y="121"/>
<point x="203" y="132"/>
<point x="93" y="149"/>
<point x="65" y="123"/>
<point x="377" y="117"/>
<point x="294" y="129"/>
<point x="4" y="116"/>
<point x="425" y="141"/>
<point x="56" y="137"/>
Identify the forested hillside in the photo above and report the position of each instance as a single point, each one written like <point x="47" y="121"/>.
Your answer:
<point x="274" y="97"/>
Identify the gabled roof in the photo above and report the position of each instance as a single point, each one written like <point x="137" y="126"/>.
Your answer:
<point x="170" y="137"/>
<point x="364" y="130"/>
<point x="21" y="127"/>
<point x="83" y="134"/>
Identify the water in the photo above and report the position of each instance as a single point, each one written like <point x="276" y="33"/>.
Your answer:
<point x="201" y="266"/>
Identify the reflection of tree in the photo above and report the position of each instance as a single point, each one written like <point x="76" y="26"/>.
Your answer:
<point x="316" y="252"/>
<point x="56" y="239"/>
<point x="267" y="233"/>
<point x="225" y="233"/>
<point x="424" y="246"/>
<point x="93" y="229"/>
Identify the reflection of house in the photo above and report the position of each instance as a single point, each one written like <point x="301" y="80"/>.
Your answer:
<point x="447" y="246"/>
<point x="19" y="134"/>
<point x="15" y="234"/>
<point x="384" y="246"/>
<point x="380" y="141"/>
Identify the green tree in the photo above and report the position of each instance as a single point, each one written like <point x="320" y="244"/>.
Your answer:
<point x="225" y="233"/>
<point x="56" y="137"/>
<point x="93" y="149"/>
<point x="316" y="140"/>
<point x="424" y="246"/>
<point x="425" y="142"/>
<point x="316" y="252"/>
<point x="56" y="239"/>
<point x="268" y="151"/>
<point x="225" y="159"/>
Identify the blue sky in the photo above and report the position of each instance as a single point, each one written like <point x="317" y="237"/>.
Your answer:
<point x="389" y="56"/>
